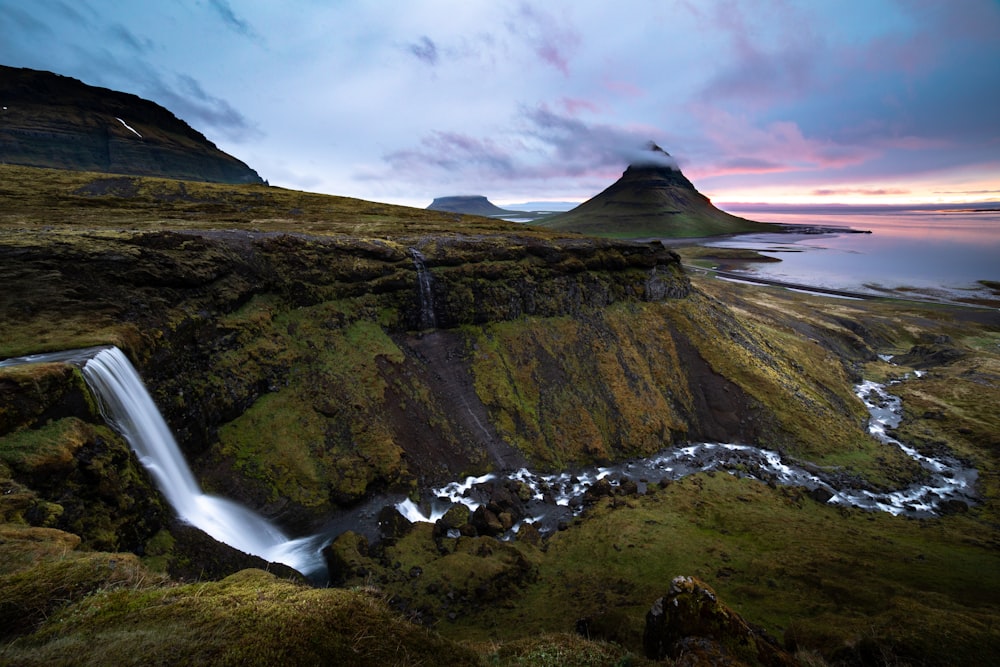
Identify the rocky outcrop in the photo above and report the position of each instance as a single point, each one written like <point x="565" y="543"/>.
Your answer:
<point x="469" y="205"/>
<point x="691" y="625"/>
<point x="57" y="122"/>
<point x="652" y="199"/>
<point x="930" y="351"/>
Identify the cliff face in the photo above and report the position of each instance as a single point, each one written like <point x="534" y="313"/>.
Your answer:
<point x="54" y="121"/>
<point x="302" y="373"/>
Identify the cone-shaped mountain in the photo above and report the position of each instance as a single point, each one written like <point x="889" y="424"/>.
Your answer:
<point x="652" y="199"/>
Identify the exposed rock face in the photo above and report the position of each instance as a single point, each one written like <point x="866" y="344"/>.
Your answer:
<point x="469" y="204"/>
<point x="372" y="433"/>
<point x="691" y="622"/>
<point x="58" y="122"/>
<point x="651" y="199"/>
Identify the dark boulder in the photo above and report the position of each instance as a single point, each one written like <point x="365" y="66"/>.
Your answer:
<point x="691" y="621"/>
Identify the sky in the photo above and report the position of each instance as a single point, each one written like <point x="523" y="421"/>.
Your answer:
<point x="772" y="101"/>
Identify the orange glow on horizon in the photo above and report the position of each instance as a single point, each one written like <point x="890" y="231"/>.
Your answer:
<point x="856" y="196"/>
<point x="965" y="186"/>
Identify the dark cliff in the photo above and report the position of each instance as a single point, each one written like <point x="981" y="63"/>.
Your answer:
<point x="47" y="120"/>
<point x="265" y="348"/>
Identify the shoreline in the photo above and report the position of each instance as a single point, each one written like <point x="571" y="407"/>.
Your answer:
<point x="894" y="295"/>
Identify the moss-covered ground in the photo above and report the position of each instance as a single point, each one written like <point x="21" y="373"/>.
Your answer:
<point x="277" y="336"/>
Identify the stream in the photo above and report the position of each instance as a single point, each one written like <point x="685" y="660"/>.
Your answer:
<point x="549" y="499"/>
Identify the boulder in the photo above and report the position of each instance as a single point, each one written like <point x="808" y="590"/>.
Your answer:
<point x="486" y="522"/>
<point x="691" y="621"/>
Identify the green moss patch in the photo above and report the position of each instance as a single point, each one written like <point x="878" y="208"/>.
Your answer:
<point x="250" y="618"/>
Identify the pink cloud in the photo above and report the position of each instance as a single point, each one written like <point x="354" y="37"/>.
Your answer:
<point x="549" y="37"/>
<point x="779" y="146"/>
<point x="868" y="192"/>
<point x="623" y="88"/>
<point x="574" y="106"/>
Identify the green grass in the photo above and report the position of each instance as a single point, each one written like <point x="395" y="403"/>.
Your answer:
<point x="57" y="199"/>
<point x="780" y="559"/>
<point x="315" y="390"/>
<point x="250" y="618"/>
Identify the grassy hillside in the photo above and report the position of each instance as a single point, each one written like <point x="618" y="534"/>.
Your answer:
<point x="279" y="333"/>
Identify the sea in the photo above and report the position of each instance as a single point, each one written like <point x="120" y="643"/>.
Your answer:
<point x="930" y="253"/>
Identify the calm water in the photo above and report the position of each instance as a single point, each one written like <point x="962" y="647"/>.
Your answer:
<point x="934" y="254"/>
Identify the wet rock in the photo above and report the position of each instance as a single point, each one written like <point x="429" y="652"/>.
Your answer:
<point x="393" y="525"/>
<point x="628" y="487"/>
<point x="690" y="622"/>
<point x="456" y="517"/>
<point x="952" y="506"/>
<point x="504" y="499"/>
<point x="600" y="489"/>
<point x="346" y="557"/>
<point x="528" y="534"/>
<point x="821" y="494"/>
<point x="486" y="522"/>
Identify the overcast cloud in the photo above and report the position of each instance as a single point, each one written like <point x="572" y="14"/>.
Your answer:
<point x="769" y="100"/>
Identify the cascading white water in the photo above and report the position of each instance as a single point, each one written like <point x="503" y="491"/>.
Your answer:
<point x="427" y="318"/>
<point x="129" y="409"/>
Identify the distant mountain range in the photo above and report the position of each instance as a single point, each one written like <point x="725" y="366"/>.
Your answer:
<point x="652" y="199"/>
<point x="48" y="120"/>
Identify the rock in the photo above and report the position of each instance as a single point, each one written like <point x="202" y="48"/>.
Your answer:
<point x="691" y="621"/>
<point x="392" y="524"/>
<point x="503" y="500"/>
<point x="528" y="534"/>
<point x="197" y="556"/>
<point x="600" y="489"/>
<point x="486" y="522"/>
<point x="456" y="517"/>
<point x="821" y="494"/>
<point x="952" y="506"/>
<point x="938" y="352"/>
<point x="346" y="557"/>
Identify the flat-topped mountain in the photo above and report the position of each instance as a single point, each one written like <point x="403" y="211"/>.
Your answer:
<point x="48" y="120"/>
<point x="468" y="204"/>
<point x="651" y="199"/>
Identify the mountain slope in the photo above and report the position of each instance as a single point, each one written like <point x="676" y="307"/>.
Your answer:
<point x="48" y="120"/>
<point x="651" y="199"/>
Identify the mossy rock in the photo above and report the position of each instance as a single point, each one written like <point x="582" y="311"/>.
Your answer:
<point x="690" y="618"/>
<point x="249" y="618"/>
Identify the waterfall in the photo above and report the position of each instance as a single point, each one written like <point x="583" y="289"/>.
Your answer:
<point x="129" y="409"/>
<point x="427" y="318"/>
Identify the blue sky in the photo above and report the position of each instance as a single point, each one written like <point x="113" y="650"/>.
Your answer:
<point x="853" y="101"/>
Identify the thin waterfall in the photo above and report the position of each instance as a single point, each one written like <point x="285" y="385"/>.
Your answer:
<point x="130" y="410"/>
<point x="425" y="288"/>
